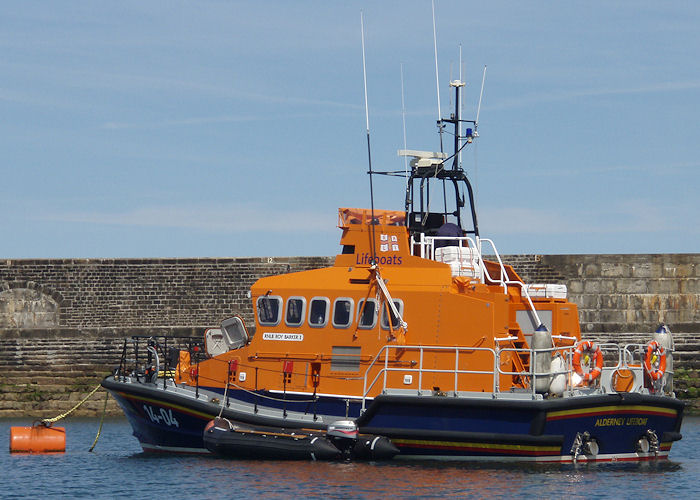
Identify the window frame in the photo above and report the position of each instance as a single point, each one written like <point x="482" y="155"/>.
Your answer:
<point x="279" y="309"/>
<point x="325" y="319"/>
<point x="399" y="306"/>
<point x="302" y="316"/>
<point x="359" y="316"/>
<point x="351" y="319"/>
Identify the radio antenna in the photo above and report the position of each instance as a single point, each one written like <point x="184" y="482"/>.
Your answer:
<point x="481" y="94"/>
<point x="403" y="116"/>
<point x="369" y="150"/>
<point x="437" y="78"/>
<point x="461" y="106"/>
<point x="476" y="146"/>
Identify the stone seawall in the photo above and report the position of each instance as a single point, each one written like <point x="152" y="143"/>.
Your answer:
<point x="62" y="321"/>
<point x="619" y="293"/>
<point x="104" y="293"/>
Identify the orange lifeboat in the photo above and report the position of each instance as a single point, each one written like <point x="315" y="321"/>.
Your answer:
<point x="39" y="438"/>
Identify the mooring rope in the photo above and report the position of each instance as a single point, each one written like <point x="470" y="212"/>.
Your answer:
<point x="223" y="401"/>
<point x="47" y="421"/>
<point x="102" y="419"/>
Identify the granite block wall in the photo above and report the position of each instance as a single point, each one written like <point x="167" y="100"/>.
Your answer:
<point x="132" y="293"/>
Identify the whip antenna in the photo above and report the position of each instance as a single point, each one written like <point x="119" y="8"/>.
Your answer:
<point x="437" y="78"/>
<point x="369" y="150"/>
<point x="481" y="94"/>
<point x="476" y="146"/>
<point x="403" y="116"/>
<point x="461" y="104"/>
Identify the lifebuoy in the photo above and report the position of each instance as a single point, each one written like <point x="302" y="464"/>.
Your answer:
<point x="591" y="351"/>
<point x="655" y="360"/>
<point x="194" y="372"/>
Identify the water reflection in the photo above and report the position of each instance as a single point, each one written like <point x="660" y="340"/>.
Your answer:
<point x="422" y="479"/>
<point x="118" y="469"/>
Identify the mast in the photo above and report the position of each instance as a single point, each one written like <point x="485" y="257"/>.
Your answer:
<point x="433" y="165"/>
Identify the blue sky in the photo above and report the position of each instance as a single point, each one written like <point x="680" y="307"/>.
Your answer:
<point x="215" y="128"/>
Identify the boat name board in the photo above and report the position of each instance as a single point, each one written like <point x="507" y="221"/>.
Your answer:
<point x="295" y="337"/>
<point x="618" y="421"/>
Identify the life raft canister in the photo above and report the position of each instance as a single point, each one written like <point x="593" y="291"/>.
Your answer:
<point x="588" y="350"/>
<point x="655" y="360"/>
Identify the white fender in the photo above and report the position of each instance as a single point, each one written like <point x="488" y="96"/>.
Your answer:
<point x="542" y="339"/>
<point x="663" y="336"/>
<point x="558" y="385"/>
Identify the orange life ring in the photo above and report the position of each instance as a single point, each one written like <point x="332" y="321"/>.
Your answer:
<point x="655" y="360"/>
<point x="592" y="350"/>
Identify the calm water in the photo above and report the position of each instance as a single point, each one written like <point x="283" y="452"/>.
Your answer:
<point x="118" y="469"/>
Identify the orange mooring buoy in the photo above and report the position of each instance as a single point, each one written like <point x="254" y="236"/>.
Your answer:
<point x="39" y="438"/>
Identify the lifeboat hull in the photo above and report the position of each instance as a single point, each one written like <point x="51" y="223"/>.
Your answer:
<point x="529" y="430"/>
<point x="173" y="420"/>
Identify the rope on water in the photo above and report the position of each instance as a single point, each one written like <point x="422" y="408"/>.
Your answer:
<point x="102" y="419"/>
<point x="47" y="421"/>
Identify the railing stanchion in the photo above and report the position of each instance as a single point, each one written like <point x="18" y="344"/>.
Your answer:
<point x="456" y="369"/>
<point x="420" y="370"/>
<point x="166" y="368"/>
<point x="122" y="363"/>
<point x="386" y="368"/>
<point x="496" y="370"/>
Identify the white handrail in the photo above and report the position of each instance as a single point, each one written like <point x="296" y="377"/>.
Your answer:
<point x="428" y="243"/>
<point x="506" y="282"/>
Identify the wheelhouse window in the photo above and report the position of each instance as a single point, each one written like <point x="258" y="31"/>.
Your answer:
<point x="342" y="312"/>
<point x="318" y="311"/>
<point x="386" y="312"/>
<point x="367" y="314"/>
<point x="269" y="310"/>
<point x="296" y="306"/>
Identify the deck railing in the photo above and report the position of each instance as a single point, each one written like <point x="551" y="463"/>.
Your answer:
<point x="377" y="374"/>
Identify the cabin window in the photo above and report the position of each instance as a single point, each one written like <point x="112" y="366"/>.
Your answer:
<point x="367" y="315"/>
<point x="269" y="310"/>
<point x="318" y="311"/>
<point x="386" y="311"/>
<point x="342" y="312"/>
<point x="296" y="306"/>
